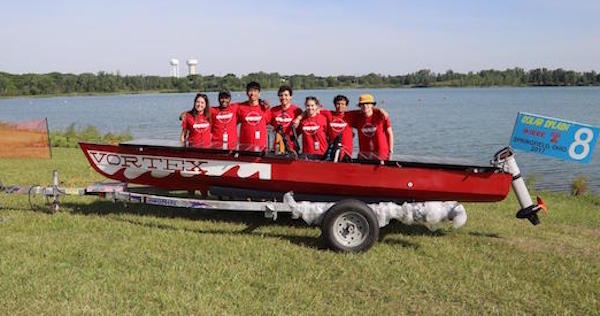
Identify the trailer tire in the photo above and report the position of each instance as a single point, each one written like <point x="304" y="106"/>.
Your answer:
<point x="350" y="226"/>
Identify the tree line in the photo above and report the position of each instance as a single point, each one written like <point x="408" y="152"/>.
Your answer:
<point x="102" y="82"/>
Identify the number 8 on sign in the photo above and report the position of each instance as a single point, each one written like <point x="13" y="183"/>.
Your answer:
<point x="554" y="137"/>
<point x="585" y="143"/>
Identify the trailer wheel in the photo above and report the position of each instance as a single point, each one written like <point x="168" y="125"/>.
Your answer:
<point x="350" y="226"/>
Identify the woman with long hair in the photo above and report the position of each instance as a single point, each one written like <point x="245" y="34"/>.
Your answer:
<point x="313" y="128"/>
<point x="195" y="128"/>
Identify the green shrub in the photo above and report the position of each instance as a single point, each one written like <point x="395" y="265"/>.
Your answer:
<point x="111" y="138"/>
<point x="58" y="140"/>
<point x="579" y="186"/>
<point x="71" y="136"/>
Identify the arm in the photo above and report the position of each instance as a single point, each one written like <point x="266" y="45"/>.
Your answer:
<point x="327" y="114"/>
<point x="264" y="104"/>
<point x="183" y="135"/>
<point x="387" y="123"/>
<point x="269" y="119"/>
<point x="375" y="110"/>
<point x="390" y="138"/>
<point x="296" y="130"/>
<point x="297" y="120"/>
<point x="184" y="125"/>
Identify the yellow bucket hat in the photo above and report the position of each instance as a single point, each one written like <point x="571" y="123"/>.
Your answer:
<point x="366" y="98"/>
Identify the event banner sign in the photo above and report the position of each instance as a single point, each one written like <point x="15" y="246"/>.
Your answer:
<point x="554" y="137"/>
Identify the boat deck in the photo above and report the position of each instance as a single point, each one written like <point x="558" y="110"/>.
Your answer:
<point x="399" y="160"/>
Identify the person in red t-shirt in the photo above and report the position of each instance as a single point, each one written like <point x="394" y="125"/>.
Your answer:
<point x="336" y="124"/>
<point x="283" y="114"/>
<point x="313" y="128"/>
<point x="375" y="135"/>
<point x="195" y="127"/>
<point x="224" y="122"/>
<point x="253" y="116"/>
<point x="339" y="122"/>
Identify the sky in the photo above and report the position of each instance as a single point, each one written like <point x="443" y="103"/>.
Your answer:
<point x="298" y="37"/>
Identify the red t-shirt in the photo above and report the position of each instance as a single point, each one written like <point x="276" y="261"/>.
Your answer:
<point x="372" y="132"/>
<point x="314" y="138"/>
<point x="199" y="130"/>
<point x="282" y="117"/>
<point x="224" y="126"/>
<point x="253" y="119"/>
<point x="336" y="124"/>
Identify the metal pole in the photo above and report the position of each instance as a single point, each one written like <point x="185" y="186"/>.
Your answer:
<point x="48" y="134"/>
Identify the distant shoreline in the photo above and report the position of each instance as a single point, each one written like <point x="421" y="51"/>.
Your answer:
<point x="102" y="83"/>
<point x="148" y="92"/>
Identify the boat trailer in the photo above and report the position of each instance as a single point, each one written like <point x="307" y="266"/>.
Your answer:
<point x="348" y="225"/>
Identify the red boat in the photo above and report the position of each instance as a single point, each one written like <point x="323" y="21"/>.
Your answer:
<point x="169" y="165"/>
<point x="349" y="224"/>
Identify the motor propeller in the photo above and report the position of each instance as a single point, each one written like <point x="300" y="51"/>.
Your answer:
<point x="530" y="212"/>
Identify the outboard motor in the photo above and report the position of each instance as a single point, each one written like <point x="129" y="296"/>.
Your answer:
<point x="505" y="159"/>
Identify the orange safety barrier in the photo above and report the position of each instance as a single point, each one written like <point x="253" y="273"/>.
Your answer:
<point x="25" y="139"/>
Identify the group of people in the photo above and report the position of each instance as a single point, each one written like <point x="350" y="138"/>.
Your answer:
<point x="217" y="126"/>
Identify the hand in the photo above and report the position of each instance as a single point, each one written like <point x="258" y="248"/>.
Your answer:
<point x="265" y="103"/>
<point x="296" y="121"/>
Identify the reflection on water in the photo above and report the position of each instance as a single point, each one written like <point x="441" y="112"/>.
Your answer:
<point x="466" y="123"/>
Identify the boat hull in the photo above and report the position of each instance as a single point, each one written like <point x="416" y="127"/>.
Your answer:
<point x="181" y="168"/>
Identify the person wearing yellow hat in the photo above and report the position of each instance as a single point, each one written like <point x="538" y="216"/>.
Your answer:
<point x="375" y="134"/>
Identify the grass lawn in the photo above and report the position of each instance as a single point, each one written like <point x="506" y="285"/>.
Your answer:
<point x="103" y="258"/>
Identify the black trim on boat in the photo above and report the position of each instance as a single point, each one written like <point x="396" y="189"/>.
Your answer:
<point x="260" y="195"/>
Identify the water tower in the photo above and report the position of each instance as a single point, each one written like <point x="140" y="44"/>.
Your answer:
<point x="174" y="68"/>
<point x="192" y="66"/>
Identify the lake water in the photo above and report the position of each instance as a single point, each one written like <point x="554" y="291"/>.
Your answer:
<point x="470" y="123"/>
